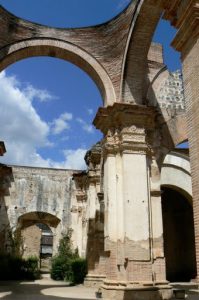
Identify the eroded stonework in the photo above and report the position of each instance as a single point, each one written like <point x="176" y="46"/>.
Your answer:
<point x="40" y="195"/>
<point x="115" y="206"/>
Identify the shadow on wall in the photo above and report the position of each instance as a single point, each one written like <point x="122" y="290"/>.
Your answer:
<point x="95" y="253"/>
<point x="6" y="239"/>
<point x="171" y="120"/>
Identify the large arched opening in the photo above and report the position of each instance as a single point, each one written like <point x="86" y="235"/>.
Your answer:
<point x="37" y="230"/>
<point x="63" y="50"/>
<point x="57" y="101"/>
<point x="178" y="233"/>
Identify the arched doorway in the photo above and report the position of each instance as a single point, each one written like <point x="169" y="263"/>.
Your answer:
<point x="37" y="231"/>
<point x="46" y="246"/>
<point x="179" y="239"/>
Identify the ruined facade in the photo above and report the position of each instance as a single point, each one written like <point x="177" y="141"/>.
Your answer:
<point x="117" y="210"/>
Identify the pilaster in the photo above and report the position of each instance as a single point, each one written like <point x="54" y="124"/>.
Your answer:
<point x="95" y="243"/>
<point x="127" y="155"/>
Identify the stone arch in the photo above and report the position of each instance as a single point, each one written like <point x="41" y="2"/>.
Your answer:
<point x="176" y="174"/>
<point x="64" y="50"/>
<point x="135" y="67"/>
<point x="27" y="224"/>
<point x="34" y="217"/>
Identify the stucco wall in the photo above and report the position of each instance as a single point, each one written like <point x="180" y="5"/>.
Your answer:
<point x="49" y="191"/>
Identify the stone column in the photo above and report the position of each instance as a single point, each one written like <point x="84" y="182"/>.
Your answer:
<point x="95" y="242"/>
<point x="79" y="211"/>
<point x="184" y="16"/>
<point x="128" y="222"/>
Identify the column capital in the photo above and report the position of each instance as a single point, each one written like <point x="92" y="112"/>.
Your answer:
<point x="80" y="179"/>
<point x="125" y="127"/>
<point x="184" y="15"/>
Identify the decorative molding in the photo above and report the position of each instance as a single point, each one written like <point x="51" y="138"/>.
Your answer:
<point x="184" y="15"/>
<point x="125" y="128"/>
<point x="81" y="196"/>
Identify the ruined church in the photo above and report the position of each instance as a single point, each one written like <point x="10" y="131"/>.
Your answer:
<point x="134" y="212"/>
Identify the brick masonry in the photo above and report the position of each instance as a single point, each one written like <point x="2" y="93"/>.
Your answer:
<point x="118" y="55"/>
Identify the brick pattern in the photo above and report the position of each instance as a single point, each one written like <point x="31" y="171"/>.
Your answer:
<point x="139" y="271"/>
<point x="96" y="40"/>
<point x="191" y="85"/>
<point x="159" y="269"/>
<point x="135" y="81"/>
<point x="31" y="237"/>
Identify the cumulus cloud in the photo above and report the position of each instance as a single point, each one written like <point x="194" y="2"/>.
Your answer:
<point x="24" y="132"/>
<point x="60" y="124"/>
<point x="41" y="95"/>
<point x="74" y="159"/>
<point x="86" y="127"/>
<point x="22" y="129"/>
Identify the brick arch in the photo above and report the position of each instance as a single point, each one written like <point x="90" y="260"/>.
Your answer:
<point x="63" y="50"/>
<point x="34" y="217"/>
<point x="135" y="66"/>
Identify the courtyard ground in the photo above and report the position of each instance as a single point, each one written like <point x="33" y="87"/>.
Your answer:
<point x="44" y="289"/>
<point x="48" y="289"/>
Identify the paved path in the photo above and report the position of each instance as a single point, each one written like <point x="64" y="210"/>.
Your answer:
<point x="44" y="289"/>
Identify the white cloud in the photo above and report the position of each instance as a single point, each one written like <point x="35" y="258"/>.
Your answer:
<point x="60" y="124"/>
<point x="86" y="127"/>
<point x="90" y="111"/>
<point x="41" y="95"/>
<point x="21" y="127"/>
<point x="23" y="131"/>
<point x="74" y="159"/>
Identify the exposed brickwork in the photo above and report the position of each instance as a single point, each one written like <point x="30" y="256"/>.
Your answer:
<point x="128" y="250"/>
<point x="191" y="82"/>
<point x="184" y="16"/>
<point x="159" y="269"/>
<point x="107" y="51"/>
<point x="139" y="271"/>
<point x="31" y="237"/>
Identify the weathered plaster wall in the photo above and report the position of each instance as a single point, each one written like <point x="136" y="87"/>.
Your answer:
<point x="48" y="191"/>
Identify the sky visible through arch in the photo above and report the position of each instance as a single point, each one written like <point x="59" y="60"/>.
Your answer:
<point x="47" y="105"/>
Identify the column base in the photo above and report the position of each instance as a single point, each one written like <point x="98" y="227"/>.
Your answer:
<point x="94" y="280"/>
<point x="136" y="291"/>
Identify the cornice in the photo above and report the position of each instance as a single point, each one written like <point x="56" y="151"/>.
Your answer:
<point x="184" y="15"/>
<point x="123" y="115"/>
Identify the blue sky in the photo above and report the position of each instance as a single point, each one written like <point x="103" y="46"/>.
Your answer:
<point x="51" y="103"/>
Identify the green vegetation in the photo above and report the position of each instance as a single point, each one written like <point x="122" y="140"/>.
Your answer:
<point x="67" y="265"/>
<point x="16" y="268"/>
<point x="79" y="270"/>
